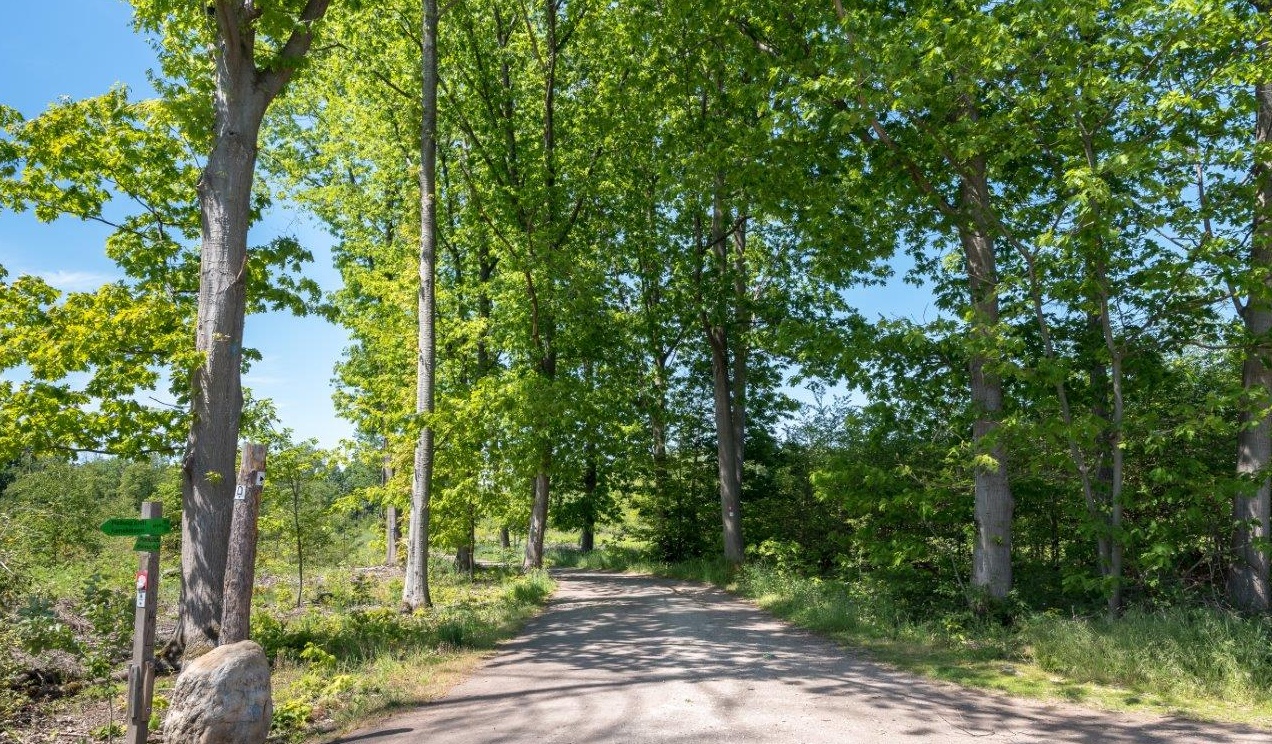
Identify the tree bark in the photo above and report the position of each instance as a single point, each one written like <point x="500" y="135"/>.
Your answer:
<point x="392" y="526"/>
<point x="991" y="553"/>
<point x="587" y="538"/>
<point x="538" y="521"/>
<point x="1102" y="484"/>
<point x="217" y="395"/>
<point x="300" y="547"/>
<point x="415" y="593"/>
<point x="464" y="559"/>
<point x="242" y="94"/>
<point x="726" y="408"/>
<point x="240" y="570"/>
<point x="727" y="460"/>
<point x="466" y="553"/>
<point x="543" y="326"/>
<point x="1248" y="587"/>
<point x="1117" y="458"/>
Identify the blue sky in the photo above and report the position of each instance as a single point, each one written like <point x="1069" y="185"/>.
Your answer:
<point x="80" y="48"/>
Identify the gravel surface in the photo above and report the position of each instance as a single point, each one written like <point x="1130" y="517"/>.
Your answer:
<point x="635" y="659"/>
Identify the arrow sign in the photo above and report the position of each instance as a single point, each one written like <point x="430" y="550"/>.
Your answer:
<point x="147" y="544"/>
<point x="131" y="527"/>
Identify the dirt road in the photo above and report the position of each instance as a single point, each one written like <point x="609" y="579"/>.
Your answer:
<point x="630" y="659"/>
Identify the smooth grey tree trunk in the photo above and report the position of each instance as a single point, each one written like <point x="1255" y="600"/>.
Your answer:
<point x="300" y="546"/>
<point x="217" y="396"/>
<point x="729" y="467"/>
<point x="392" y="533"/>
<point x="587" y="538"/>
<point x="538" y="521"/>
<point x="415" y="592"/>
<point x="543" y="325"/>
<point x="726" y="373"/>
<point x="1117" y="457"/>
<point x="242" y="93"/>
<point x="392" y="526"/>
<point x="1248" y="578"/>
<point x="991" y="552"/>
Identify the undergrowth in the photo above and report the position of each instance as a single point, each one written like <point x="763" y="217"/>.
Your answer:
<point x="334" y="667"/>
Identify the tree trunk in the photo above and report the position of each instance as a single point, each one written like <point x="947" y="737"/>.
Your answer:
<point x="1248" y="587"/>
<point x="464" y="559"/>
<point x="991" y="554"/>
<point x="1248" y="578"/>
<point x="240" y="573"/>
<point x="466" y="553"/>
<point x="415" y="592"/>
<point x="242" y="94"/>
<point x="300" y="547"/>
<point x="588" y="537"/>
<point x="207" y="471"/>
<point x="538" y="521"/>
<point x="1102" y="484"/>
<point x="1117" y="457"/>
<point x="543" y="325"/>
<point x="729" y="467"/>
<point x="505" y="540"/>
<point x="729" y="427"/>
<point x="392" y="525"/>
<point x="539" y="506"/>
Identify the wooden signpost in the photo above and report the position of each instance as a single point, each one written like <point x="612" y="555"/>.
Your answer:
<point x="141" y="672"/>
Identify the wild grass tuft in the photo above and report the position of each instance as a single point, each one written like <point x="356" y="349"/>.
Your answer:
<point x="1174" y="653"/>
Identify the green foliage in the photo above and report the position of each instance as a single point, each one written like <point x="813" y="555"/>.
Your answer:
<point x="39" y="629"/>
<point x="52" y="511"/>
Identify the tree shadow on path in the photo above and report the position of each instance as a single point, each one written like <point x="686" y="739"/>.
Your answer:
<point x="621" y="658"/>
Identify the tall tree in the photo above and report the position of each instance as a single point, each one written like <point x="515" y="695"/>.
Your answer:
<point x="1248" y="581"/>
<point x="256" y="49"/>
<point x="415" y="590"/>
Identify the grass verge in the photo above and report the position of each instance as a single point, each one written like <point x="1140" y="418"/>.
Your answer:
<point x="1201" y="663"/>
<point x="335" y="670"/>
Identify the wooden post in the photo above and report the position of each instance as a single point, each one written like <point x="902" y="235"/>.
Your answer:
<point x="392" y="529"/>
<point x="141" y="672"/>
<point x="240" y="566"/>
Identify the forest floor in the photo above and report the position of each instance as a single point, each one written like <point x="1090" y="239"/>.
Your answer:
<point x="629" y="658"/>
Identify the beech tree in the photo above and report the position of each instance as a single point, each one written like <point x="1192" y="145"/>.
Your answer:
<point x="415" y="591"/>
<point x="1251" y="509"/>
<point x="256" y="48"/>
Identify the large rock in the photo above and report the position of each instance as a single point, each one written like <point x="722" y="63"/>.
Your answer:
<point x="222" y="697"/>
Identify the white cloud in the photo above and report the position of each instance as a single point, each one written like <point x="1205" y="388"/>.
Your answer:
<point x="76" y="281"/>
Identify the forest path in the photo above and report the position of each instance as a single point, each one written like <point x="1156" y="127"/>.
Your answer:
<point x="635" y="659"/>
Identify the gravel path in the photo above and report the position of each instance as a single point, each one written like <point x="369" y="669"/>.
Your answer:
<point x="634" y="659"/>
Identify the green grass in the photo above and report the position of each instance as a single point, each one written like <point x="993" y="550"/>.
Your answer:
<point x="1203" y="663"/>
<point x="336" y="667"/>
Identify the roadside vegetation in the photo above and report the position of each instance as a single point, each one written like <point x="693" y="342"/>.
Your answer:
<point x="1200" y="662"/>
<point x="341" y="649"/>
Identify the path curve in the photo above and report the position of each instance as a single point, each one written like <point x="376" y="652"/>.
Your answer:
<point x="635" y="659"/>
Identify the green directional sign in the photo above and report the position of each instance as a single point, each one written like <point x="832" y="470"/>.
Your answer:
<point x="130" y="527"/>
<point x="147" y="544"/>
